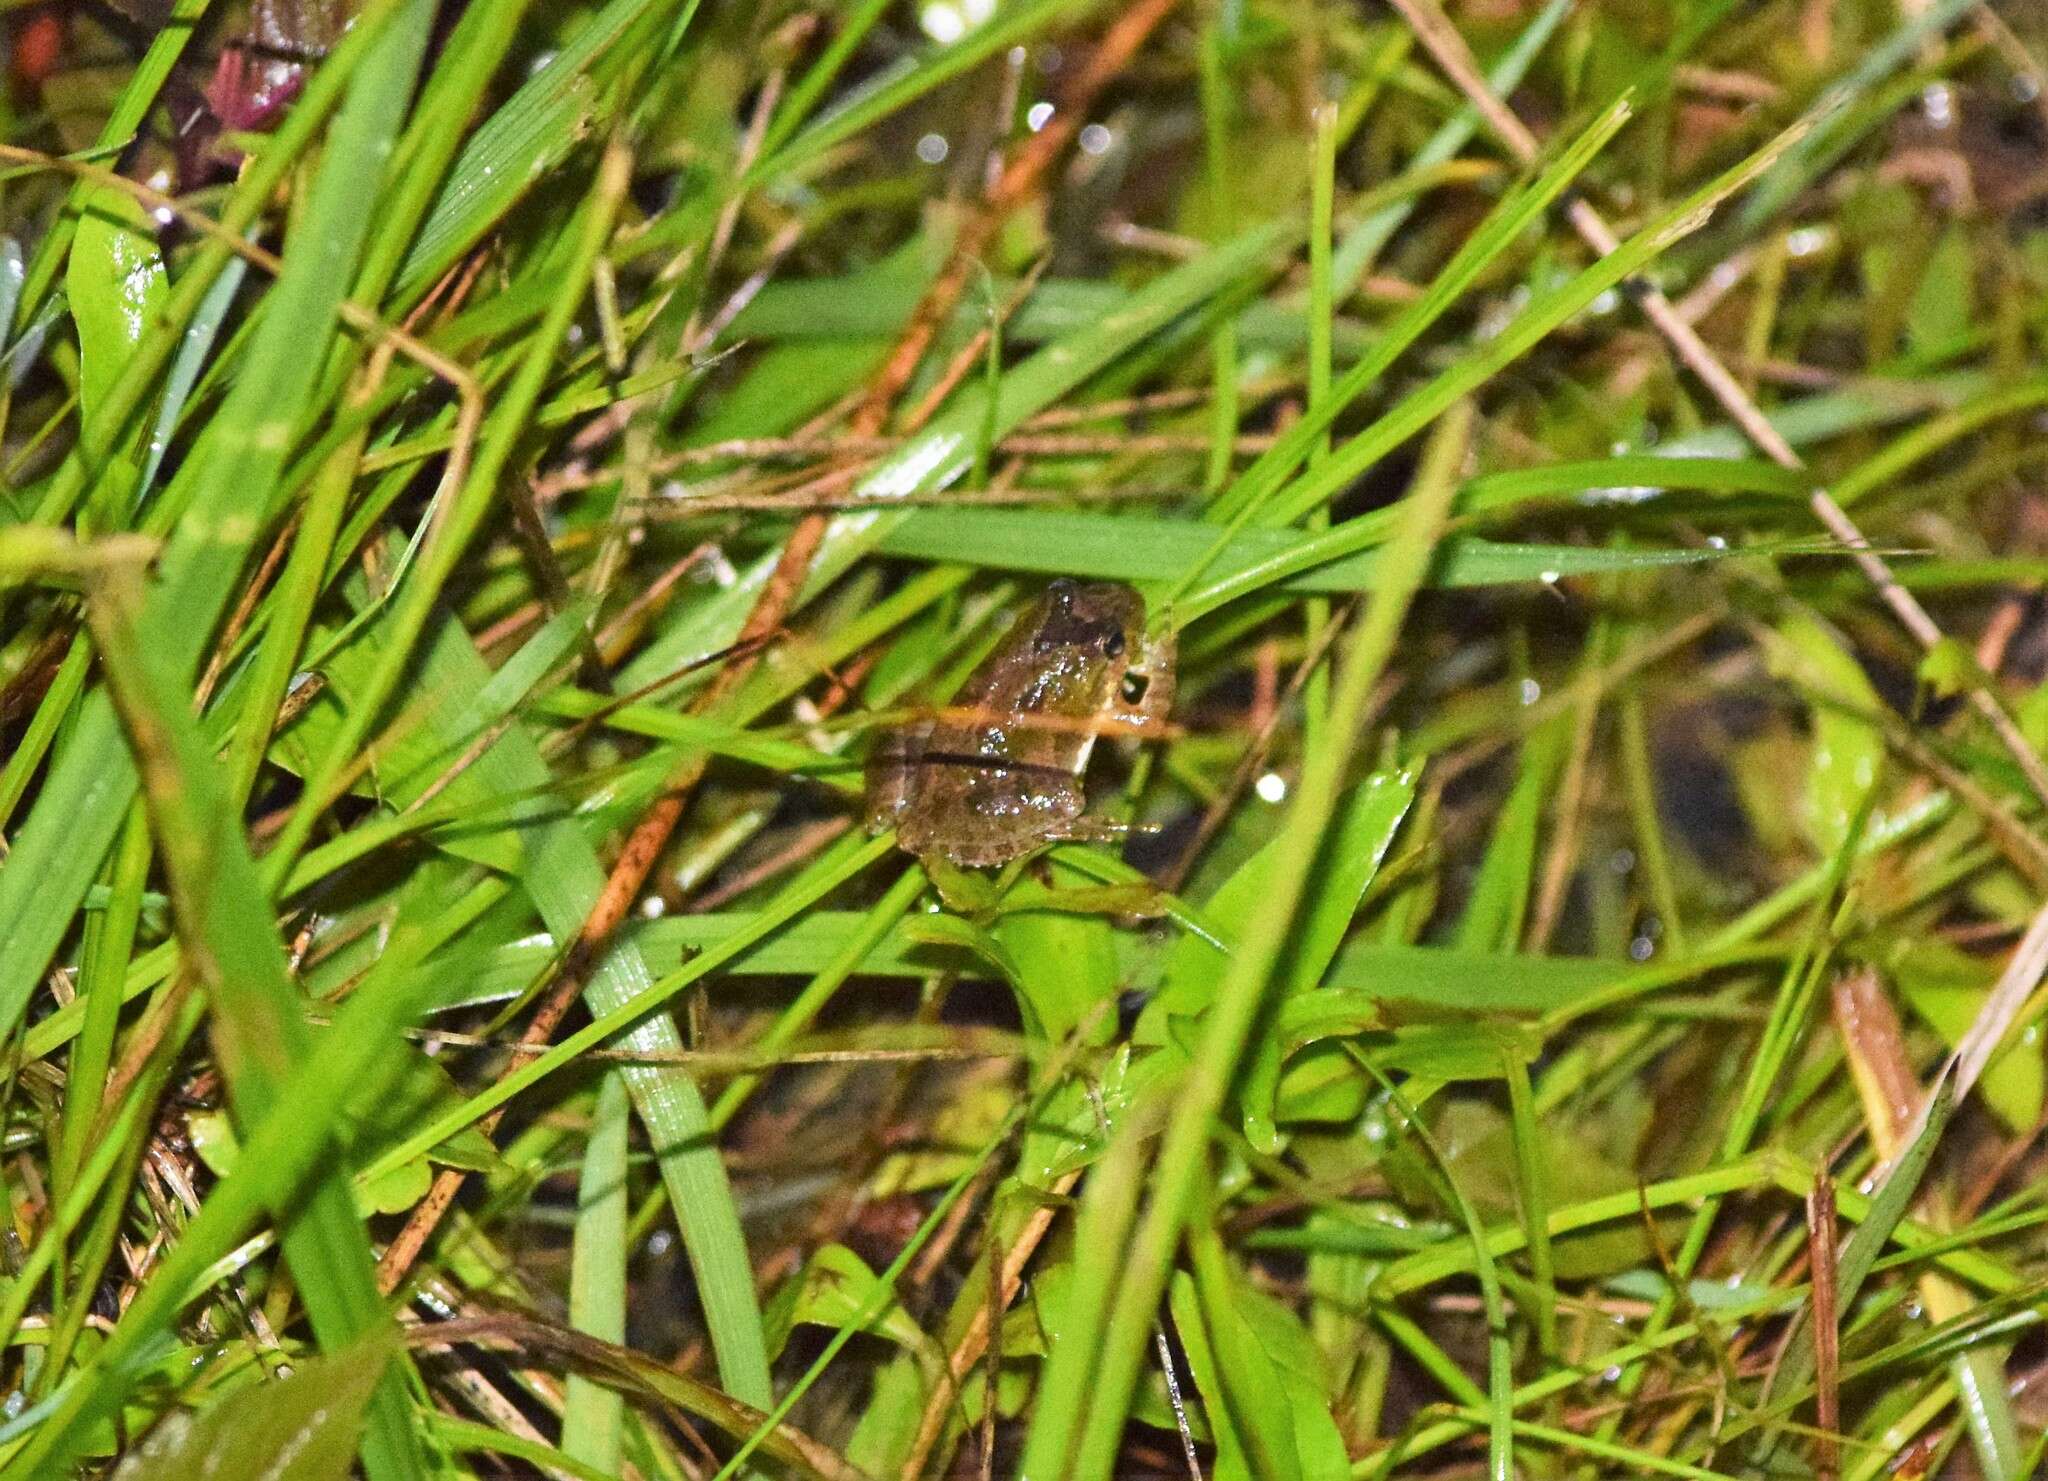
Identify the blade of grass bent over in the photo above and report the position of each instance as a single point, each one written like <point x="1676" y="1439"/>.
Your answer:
<point x="259" y="1031"/>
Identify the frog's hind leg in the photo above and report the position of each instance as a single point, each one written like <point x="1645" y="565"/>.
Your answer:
<point x="1087" y="828"/>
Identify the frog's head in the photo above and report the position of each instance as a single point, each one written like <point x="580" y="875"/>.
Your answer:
<point x="1099" y="620"/>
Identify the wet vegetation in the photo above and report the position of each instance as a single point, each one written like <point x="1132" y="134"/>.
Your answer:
<point x="1559" y="995"/>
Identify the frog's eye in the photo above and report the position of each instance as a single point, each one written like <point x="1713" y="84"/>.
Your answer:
<point x="1135" y="686"/>
<point x="1113" y="645"/>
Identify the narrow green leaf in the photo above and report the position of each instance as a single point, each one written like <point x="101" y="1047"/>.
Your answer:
<point x="592" y="1414"/>
<point x="1500" y="895"/>
<point x="1133" y="548"/>
<point x="116" y="284"/>
<point x="519" y="144"/>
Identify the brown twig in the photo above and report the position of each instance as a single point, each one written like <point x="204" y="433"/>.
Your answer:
<point x="1827" y="1335"/>
<point x="614" y="637"/>
<point x="1999" y="632"/>
<point x="427" y="1214"/>
<point x="244" y="610"/>
<point x="1024" y="444"/>
<point x="974" y="1341"/>
<point x="807" y="843"/>
<point x="975" y="351"/>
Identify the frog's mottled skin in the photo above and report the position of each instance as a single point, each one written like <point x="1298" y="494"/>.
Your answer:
<point x="984" y="784"/>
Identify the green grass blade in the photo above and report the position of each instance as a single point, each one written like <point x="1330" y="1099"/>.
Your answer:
<point x="1133" y="548"/>
<point x="1184" y="1152"/>
<point x="520" y="143"/>
<point x="591" y="1414"/>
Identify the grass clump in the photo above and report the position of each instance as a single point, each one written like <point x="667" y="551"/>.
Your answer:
<point x="481" y="479"/>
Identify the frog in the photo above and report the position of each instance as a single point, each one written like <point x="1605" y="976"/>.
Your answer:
<point x="997" y="774"/>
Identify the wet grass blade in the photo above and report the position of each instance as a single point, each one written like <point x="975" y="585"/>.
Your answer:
<point x="517" y="146"/>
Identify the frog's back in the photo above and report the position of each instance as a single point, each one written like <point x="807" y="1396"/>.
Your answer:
<point x="998" y="774"/>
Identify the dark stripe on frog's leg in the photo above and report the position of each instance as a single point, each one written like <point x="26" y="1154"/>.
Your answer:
<point x="887" y="777"/>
